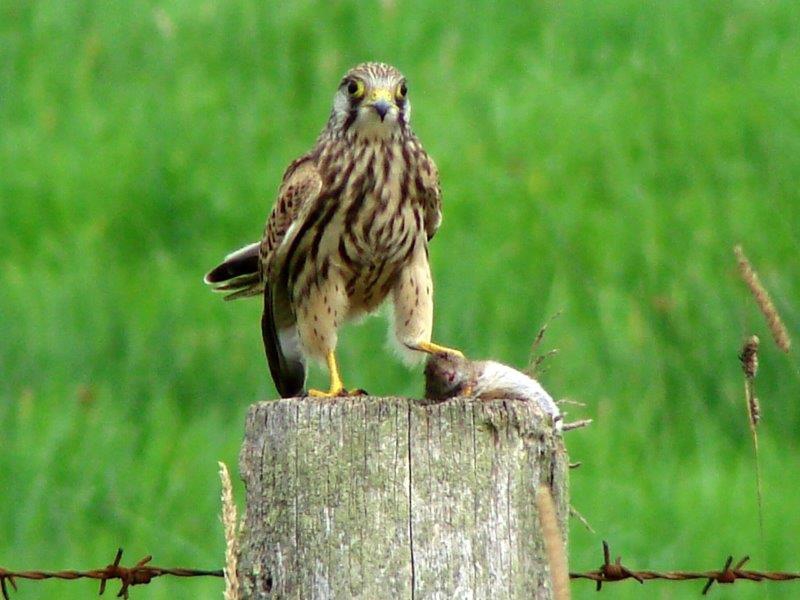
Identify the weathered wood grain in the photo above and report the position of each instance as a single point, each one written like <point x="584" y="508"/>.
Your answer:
<point x="384" y="498"/>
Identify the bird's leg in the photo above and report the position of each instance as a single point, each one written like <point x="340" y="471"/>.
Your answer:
<point x="336" y="389"/>
<point x="413" y="306"/>
<point x="432" y="348"/>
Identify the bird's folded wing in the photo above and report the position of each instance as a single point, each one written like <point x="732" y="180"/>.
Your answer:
<point x="431" y="194"/>
<point x="298" y="194"/>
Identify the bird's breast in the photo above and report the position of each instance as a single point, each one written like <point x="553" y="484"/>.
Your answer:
<point x="374" y="246"/>
<point x="369" y="221"/>
<point x="379" y="218"/>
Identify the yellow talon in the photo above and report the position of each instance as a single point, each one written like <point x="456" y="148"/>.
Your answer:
<point x="320" y="394"/>
<point x="337" y="389"/>
<point x="432" y="348"/>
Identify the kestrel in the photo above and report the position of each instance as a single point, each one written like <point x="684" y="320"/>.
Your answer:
<point x="350" y="229"/>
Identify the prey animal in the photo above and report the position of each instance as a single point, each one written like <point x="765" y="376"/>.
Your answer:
<point x="350" y="229"/>
<point x="449" y="376"/>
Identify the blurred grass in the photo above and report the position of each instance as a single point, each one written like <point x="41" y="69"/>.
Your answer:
<point x="600" y="158"/>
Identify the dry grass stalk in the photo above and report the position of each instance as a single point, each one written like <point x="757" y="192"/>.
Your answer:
<point x="749" y="360"/>
<point x="536" y="360"/>
<point x="576" y="424"/>
<point x="749" y="357"/>
<point x="573" y="512"/>
<point x="762" y="298"/>
<point x="754" y="408"/>
<point x="229" y="524"/>
<point x="570" y="402"/>
<point x="553" y="542"/>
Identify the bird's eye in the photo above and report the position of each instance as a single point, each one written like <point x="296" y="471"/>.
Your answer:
<point x="402" y="90"/>
<point x="355" y="88"/>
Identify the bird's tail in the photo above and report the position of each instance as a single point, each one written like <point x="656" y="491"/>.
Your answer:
<point x="237" y="274"/>
<point x="282" y="345"/>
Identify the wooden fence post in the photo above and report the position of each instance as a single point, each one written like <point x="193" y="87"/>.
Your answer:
<point x="386" y="498"/>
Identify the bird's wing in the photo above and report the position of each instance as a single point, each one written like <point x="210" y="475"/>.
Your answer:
<point x="298" y="192"/>
<point x="431" y="194"/>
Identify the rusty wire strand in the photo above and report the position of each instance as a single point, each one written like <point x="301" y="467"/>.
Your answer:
<point x="142" y="573"/>
<point x="139" y="574"/>
<point x="616" y="571"/>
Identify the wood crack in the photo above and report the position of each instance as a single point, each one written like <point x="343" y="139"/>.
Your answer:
<point x="410" y="509"/>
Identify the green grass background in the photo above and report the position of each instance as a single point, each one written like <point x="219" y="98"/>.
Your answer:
<point x="599" y="158"/>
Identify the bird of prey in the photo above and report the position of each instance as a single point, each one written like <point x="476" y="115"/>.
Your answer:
<point x="350" y="228"/>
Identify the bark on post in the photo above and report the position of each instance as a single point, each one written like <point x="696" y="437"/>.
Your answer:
<point x="386" y="498"/>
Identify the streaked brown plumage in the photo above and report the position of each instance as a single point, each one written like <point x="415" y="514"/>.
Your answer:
<point x="350" y="227"/>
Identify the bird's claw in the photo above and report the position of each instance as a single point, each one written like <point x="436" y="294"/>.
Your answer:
<point x="332" y="393"/>
<point x="340" y="393"/>
<point x="432" y="348"/>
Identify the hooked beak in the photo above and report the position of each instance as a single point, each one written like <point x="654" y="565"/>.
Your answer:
<point x="381" y="100"/>
<point x="381" y="107"/>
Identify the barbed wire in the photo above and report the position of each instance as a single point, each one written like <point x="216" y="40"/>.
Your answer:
<point x="616" y="571"/>
<point x="143" y="573"/>
<point x="139" y="574"/>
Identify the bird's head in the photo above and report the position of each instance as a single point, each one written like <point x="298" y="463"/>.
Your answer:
<point x="372" y="102"/>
